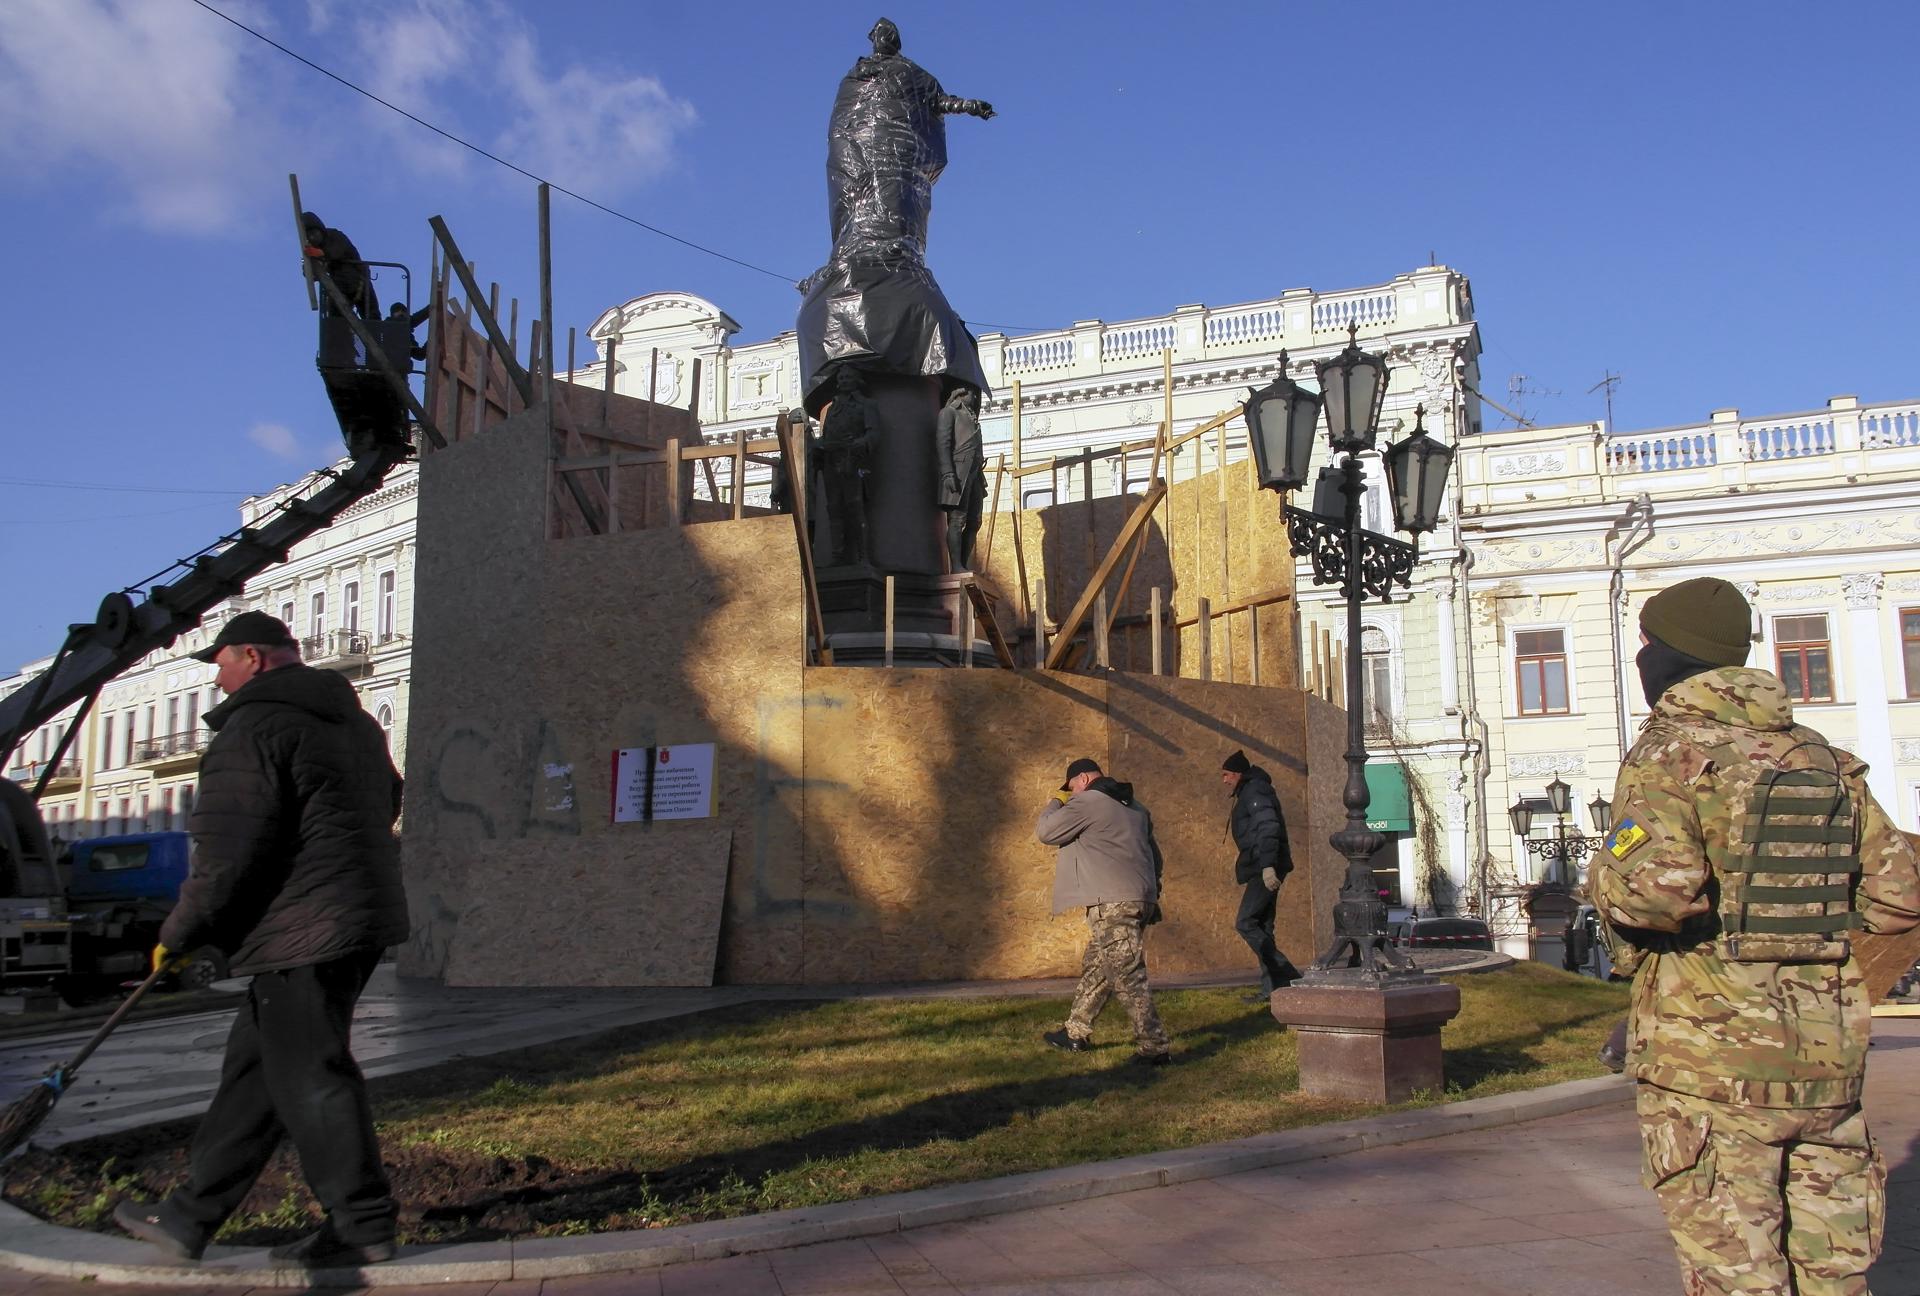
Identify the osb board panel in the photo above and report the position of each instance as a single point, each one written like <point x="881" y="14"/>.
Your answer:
<point x="639" y="910"/>
<point x="1183" y="555"/>
<point x="476" y="606"/>
<point x="1168" y="737"/>
<point x="687" y="636"/>
<point x="922" y="787"/>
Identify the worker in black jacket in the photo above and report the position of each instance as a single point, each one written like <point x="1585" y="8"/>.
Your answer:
<point x="296" y="877"/>
<point x="1260" y="833"/>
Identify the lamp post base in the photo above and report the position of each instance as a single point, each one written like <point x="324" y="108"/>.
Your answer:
<point x="1365" y="1039"/>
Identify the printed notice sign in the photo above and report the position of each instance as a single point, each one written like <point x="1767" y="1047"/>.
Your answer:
<point x="663" y="783"/>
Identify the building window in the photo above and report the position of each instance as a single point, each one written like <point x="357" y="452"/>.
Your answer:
<point x="350" y="607"/>
<point x="1910" y="648"/>
<point x="1037" y="499"/>
<point x="193" y="709"/>
<point x="386" y="625"/>
<point x="286" y="615"/>
<point x="317" y="614"/>
<point x="173" y="715"/>
<point x="186" y="803"/>
<point x="126" y="738"/>
<point x="1803" y="657"/>
<point x="1540" y="671"/>
<point x="167" y="820"/>
<point x="1376" y="680"/>
<point x="385" y="716"/>
<point x="106" y="742"/>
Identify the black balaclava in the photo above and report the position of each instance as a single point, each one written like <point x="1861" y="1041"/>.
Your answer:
<point x="1662" y="666"/>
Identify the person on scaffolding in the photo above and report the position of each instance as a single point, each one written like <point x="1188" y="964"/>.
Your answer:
<point x="335" y="253"/>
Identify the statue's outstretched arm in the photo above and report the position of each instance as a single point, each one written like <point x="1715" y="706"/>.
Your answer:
<point x="972" y="107"/>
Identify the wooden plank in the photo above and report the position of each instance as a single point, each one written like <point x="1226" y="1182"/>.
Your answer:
<point x="886" y="627"/>
<point x="1139" y="547"/>
<point x="1039" y="624"/>
<point x="1159" y="634"/>
<point x="983" y="615"/>
<point x="966" y="635"/>
<point x="1019" y="507"/>
<point x="1134" y="523"/>
<point x="985" y="558"/>
<point x="739" y="473"/>
<point x="546" y="307"/>
<point x="1204" y="629"/>
<point x="488" y="319"/>
<point x="300" y="234"/>
<point x="673" y="482"/>
<point x="791" y="452"/>
<point x="1253" y="634"/>
<point x="1101" y="656"/>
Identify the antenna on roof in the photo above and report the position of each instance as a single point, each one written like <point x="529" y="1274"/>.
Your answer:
<point x="1609" y="380"/>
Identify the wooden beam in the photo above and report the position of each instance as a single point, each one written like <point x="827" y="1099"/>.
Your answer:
<point x="1262" y="599"/>
<point x="1159" y="634"/>
<point x="993" y="513"/>
<point x="886" y="626"/>
<point x="1039" y="623"/>
<point x="546" y="308"/>
<point x="300" y="233"/>
<point x="1072" y="624"/>
<point x="487" y="318"/>
<point x="1204" y="629"/>
<point x="739" y="473"/>
<point x="983" y="614"/>
<point x="1019" y="506"/>
<point x="790" y="453"/>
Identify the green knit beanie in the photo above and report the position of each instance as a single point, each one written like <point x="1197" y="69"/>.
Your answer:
<point x="1705" y="618"/>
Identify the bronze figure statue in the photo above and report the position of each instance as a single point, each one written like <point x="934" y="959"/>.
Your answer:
<point x="962" y="465"/>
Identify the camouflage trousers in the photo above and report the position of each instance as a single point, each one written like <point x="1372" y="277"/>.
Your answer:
<point x="1774" y="1200"/>
<point x="1115" y="967"/>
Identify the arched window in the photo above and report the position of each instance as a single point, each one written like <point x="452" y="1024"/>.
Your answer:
<point x="384" y="714"/>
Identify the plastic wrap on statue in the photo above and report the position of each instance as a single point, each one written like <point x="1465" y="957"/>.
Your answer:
<point x="875" y="304"/>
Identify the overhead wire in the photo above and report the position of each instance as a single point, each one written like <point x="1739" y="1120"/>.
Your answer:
<point x="520" y="170"/>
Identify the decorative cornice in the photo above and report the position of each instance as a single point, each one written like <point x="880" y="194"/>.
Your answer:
<point x="1540" y="764"/>
<point x="1862" y="590"/>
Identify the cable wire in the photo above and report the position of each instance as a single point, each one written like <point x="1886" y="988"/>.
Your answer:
<point x="127" y="490"/>
<point x="493" y="157"/>
<point x="558" y="188"/>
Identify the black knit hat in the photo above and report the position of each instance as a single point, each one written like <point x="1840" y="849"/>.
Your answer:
<point x="1079" y="767"/>
<point x="1236" y="763"/>
<point x="1705" y="618"/>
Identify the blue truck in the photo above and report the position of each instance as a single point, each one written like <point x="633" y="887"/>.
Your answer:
<point x="118" y="892"/>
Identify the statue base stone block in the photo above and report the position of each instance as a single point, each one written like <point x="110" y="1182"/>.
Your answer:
<point x="1373" y="1040"/>
<point x="927" y="618"/>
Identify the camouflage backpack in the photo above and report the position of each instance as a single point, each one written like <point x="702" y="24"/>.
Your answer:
<point x="1793" y="855"/>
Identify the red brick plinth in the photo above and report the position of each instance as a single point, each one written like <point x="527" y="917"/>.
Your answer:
<point x="1376" y="1044"/>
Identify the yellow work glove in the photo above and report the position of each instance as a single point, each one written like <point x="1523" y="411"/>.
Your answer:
<point x="1063" y="796"/>
<point x="166" y="960"/>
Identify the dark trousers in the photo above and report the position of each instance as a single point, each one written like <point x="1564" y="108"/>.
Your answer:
<point x="1254" y="922"/>
<point x="288" y="1072"/>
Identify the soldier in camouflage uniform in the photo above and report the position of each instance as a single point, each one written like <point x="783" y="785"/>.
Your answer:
<point x="1744" y="851"/>
<point x="1110" y="864"/>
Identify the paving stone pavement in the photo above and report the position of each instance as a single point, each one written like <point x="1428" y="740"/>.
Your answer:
<point x="1553" y="1207"/>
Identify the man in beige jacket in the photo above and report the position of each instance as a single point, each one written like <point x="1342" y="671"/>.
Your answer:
<point x="1110" y="865"/>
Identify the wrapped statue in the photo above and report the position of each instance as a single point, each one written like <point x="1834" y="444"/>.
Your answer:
<point x="875" y="303"/>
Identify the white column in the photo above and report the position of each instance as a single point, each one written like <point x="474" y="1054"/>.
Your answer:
<point x="1457" y="834"/>
<point x="1449" y="660"/>
<point x="1873" y="718"/>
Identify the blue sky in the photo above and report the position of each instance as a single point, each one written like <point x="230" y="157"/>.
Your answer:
<point x="1716" y="201"/>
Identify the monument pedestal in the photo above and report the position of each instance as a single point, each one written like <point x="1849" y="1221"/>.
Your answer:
<point x="927" y="618"/>
<point x="1373" y="1040"/>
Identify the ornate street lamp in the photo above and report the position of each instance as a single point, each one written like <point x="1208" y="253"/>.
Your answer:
<point x="1602" y="811"/>
<point x="1563" y="846"/>
<point x="1281" y="420"/>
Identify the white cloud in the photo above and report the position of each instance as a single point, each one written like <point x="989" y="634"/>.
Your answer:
<point x="192" y="119"/>
<point x="586" y="130"/>
<point x="276" y="439"/>
<point x="149" y="92"/>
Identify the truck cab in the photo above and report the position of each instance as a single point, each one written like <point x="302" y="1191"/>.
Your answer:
<point x="119" y="891"/>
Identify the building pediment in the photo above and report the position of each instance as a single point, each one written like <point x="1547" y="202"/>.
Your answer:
<point x="664" y="313"/>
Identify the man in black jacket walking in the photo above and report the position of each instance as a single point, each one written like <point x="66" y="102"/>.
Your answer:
<point x="1260" y="833"/>
<point x="296" y="877"/>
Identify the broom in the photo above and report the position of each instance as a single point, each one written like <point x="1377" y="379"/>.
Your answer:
<point x="25" y="1115"/>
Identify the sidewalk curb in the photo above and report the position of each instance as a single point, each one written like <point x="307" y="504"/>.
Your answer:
<point x="29" y="1245"/>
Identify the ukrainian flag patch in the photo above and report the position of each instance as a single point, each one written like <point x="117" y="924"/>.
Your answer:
<point x="1625" y="836"/>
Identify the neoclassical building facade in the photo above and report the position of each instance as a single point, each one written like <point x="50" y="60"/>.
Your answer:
<point x="347" y="594"/>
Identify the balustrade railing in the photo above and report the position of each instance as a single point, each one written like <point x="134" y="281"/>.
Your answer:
<point x="1139" y="340"/>
<point x="178" y="744"/>
<point x="1367" y="309"/>
<point x="334" y="643"/>
<point x="1898" y="426"/>
<point x="1661" y="453"/>
<point x="1030" y="355"/>
<point x="1787" y="440"/>
<point x="1238" y="328"/>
